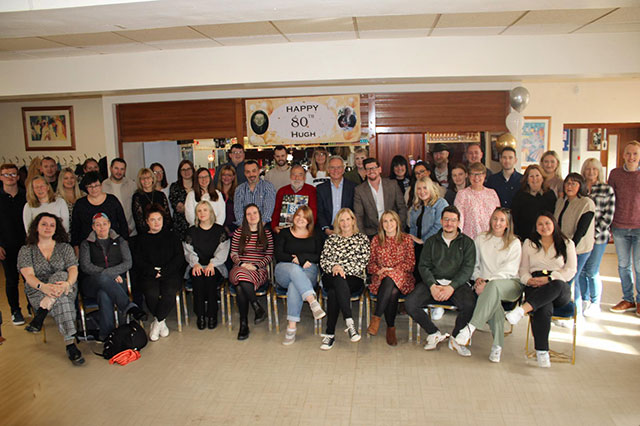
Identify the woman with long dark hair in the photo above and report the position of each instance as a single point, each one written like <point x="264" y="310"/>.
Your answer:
<point x="459" y="181"/>
<point x="400" y="173"/>
<point x="161" y="178"/>
<point x="251" y="253"/>
<point x="548" y="263"/>
<point x="227" y="187"/>
<point x="178" y="194"/>
<point x="204" y="190"/>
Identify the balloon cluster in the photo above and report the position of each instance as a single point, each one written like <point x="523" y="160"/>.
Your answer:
<point x="518" y="99"/>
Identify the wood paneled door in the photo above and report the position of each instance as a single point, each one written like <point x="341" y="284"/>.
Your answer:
<point x="390" y="145"/>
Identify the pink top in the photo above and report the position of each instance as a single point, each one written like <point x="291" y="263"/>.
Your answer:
<point x="475" y="210"/>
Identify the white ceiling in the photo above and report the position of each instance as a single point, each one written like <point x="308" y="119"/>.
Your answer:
<point x="120" y="26"/>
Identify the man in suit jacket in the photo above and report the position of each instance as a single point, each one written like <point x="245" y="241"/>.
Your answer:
<point x="373" y="197"/>
<point x="334" y="195"/>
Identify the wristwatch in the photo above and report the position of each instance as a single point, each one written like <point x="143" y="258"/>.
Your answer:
<point x="38" y="286"/>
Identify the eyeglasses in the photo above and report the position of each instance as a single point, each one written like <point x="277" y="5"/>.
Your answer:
<point x="370" y="169"/>
<point x="476" y="174"/>
<point x="237" y="152"/>
<point x="7" y="175"/>
<point x="94" y="186"/>
<point x="158" y="172"/>
<point x="146" y="178"/>
<point x="448" y="219"/>
<point x="188" y="169"/>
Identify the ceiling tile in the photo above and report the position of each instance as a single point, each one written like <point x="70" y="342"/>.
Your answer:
<point x="184" y="44"/>
<point x="554" y="21"/>
<point x="243" y="41"/>
<point x="377" y="23"/>
<point x="122" y="48"/>
<point x="412" y="32"/>
<point x="162" y="34"/>
<point x="247" y="29"/>
<point x="89" y="39"/>
<point x="624" y="15"/>
<point x="13" y="56"/>
<point x="466" y="31"/>
<point x="309" y="26"/>
<point x="59" y="53"/>
<point x="322" y="36"/>
<point x="487" y="20"/>
<point x="27" y="43"/>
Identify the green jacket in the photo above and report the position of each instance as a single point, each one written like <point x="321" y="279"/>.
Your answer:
<point x="455" y="262"/>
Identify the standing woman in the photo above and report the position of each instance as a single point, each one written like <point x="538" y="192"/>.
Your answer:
<point x="145" y="196"/>
<point x="358" y="174"/>
<point x="68" y="189"/>
<point x="298" y="254"/>
<point x="161" y="178"/>
<point x="50" y="272"/>
<point x="550" y="162"/>
<point x="318" y="171"/>
<point x="205" y="191"/>
<point x="575" y="213"/>
<point x="548" y="263"/>
<point x="605" y="201"/>
<point x="391" y="267"/>
<point x="400" y="173"/>
<point x="251" y="253"/>
<point x="495" y="277"/>
<point x="206" y="244"/>
<point x="531" y="200"/>
<point x="159" y="262"/>
<point x="343" y="260"/>
<point x="227" y="187"/>
<point x="178" y="194"/>
<point x="459" y="181"/>
<point x="476" y="203"/>
<point x="40" y="199"/>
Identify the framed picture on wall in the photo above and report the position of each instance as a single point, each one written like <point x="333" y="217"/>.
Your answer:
<point x="535" y="139"/>
<point x="48" y="128"/>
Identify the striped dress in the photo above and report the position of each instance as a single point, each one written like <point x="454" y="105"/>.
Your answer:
<point x="260" y="257"/>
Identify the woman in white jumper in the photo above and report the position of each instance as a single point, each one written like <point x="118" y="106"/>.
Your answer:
<point x="203" y="189"/>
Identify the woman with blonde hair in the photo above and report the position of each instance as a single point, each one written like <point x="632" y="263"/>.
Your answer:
<point x="550" y="163"/>
<point x="41" y="199"/>
<point x="495" y="278"/>
<point x="68" y="188"/>
<point x="391" y="267"/>
<point x="318" y="172"/>
<point x="343" y="260"/>
<point x="426" y="210"/>
<point x="145" y="196"/>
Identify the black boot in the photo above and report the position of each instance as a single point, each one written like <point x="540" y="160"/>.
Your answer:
<point x="201" y="322"/>
<point x="137" y="314"/>
<point x="74" y="354"/>
<point x="212" y="322"/>
<point x="243" y="333"/>
<point x="36" y="324"/>
<point x="261" y="315"/>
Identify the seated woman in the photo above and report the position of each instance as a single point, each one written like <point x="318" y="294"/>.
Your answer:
<point x="204" y="190"/>
<point x="207" y="244"/>
<point x="476" y="203"/>
<point x="343" y="261"/>
<point x="105" y="258"/>
<point x="298" y="253"/>
<point x="548" y="262"/>
<point x="159" y="264"/>
<point x="391" y="267"/>
<point x="251" y="253"/>
<point x="495" y="277"/>
<point x="50" y="270"/>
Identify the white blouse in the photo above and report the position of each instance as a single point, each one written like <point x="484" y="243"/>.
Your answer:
<point x="538" y="260"/>
<point x="494" y="263"/>
<point x="219" y="207"/>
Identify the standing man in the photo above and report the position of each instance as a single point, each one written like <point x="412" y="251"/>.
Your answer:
<point x="374" y="196"/>
<point x="254" y="191"/>
<point x="334" y="195"/>
<point x="290" y="197"/>
<point x="474" y="155"/>
<point x="446" y="264"/>
<point x="507" y="182"/>
<point x="12" y="235"/>
<point x="625" y="227"/>
<point x="441" y="160"/>
<point x="236" y="159"/>
<point x="123" y="188"/>
<point x="49" y="169"/>
<point x="279" y="173"/>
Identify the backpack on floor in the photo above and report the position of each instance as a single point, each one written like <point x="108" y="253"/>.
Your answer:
<point x="127" y="336"/>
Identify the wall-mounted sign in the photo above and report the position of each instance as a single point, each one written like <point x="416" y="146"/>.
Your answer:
<point x="315" y="119"/>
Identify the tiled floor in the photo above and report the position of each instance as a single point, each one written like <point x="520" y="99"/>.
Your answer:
<point x="208" y="377"/>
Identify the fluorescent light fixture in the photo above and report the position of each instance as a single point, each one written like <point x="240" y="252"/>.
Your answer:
<point x="34" y="5"/>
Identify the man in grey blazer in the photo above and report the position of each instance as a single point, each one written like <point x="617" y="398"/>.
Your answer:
<point x="373" y="197"/>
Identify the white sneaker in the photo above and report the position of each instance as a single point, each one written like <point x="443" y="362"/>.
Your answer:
<point x="514" y="316"/>
<point x="568" y="324"/>
<point x="437" y="313"/>
<point x="543" y="359"/>
<point x="434" y="339"/>
<point x="289" y="337"/>
<point x="462" y="350"/>
<point x="164" y="330"/>
<point x="464" y="336"/>
<point x="592" y="311"/>
<point x="154" y="331"/>
<point x="585" y="305"/>
<point x="496" y="351"/>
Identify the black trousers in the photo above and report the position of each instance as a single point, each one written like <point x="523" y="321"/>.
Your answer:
<point x="339" y="292"/>
<point x="160" y="295"/>
<point x="245" y="293"/>
<point x="543" y="299"/>
<point x="10" y="265"/>
<point x="205" y="289"/>
<point x="463" y="297"/>
<point x="137" y="283"/>
<point x="387" y="301"/>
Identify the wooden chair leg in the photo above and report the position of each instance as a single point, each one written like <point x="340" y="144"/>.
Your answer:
<point x="410" y="329"/>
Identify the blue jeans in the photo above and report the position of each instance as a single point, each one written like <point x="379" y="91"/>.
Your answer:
<point x="577" y="296"/>
<point x="590" y="282"/>
<point x="299" y="283"/>
<point x="627" y="243"/>
<point x="108" y="293"/>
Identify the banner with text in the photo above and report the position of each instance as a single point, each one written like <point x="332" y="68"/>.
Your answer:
<point x="307" y="120"/>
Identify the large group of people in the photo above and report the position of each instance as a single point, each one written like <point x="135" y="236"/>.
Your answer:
<point x="428" y="235"/>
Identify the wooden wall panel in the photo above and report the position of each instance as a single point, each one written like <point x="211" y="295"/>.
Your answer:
<point x="390" y="145"/>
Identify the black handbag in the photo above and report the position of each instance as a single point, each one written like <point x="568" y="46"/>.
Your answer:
<point x="127" y="336"/>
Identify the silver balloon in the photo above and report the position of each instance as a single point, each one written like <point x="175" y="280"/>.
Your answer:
<point x="519" y="98"/>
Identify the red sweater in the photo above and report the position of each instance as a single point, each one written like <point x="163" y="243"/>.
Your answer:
<point x="626" y="186"/>
<point x="308" y="190"/>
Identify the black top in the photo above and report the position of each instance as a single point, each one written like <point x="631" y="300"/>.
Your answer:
<point x="83" y="212"/>
<point x="163" y="250"/>
<point x="205" y="242"/>
<point x="11" y="228"/>
<point x="304" y="248"/>
<point x="525" y="209"/>
<point x="141" y="200"/>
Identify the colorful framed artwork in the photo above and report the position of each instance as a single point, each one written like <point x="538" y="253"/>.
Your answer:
<point x="48" y="128"/>
<point x="535" y="139"/>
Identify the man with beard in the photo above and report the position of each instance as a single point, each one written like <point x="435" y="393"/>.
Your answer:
<point x="290" y="197"/>
<point x="442" y="169"/>
<point x="123" y="188"/>
<point x="254" y="191"/>
<point x="279" y="174"/>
